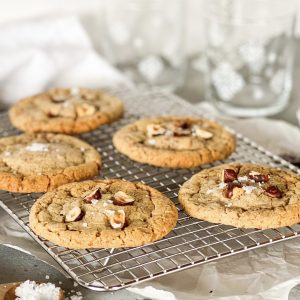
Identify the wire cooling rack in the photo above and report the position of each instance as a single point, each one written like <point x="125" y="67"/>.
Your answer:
<point x="192" y="242"/>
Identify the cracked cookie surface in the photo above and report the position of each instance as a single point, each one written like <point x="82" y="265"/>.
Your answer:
<point x="249" y="196"/>
<point x="174" y="142"/>
<point x="66" y="111"/>
<point x="149" y="217"/>
<point x="41" y="162"/>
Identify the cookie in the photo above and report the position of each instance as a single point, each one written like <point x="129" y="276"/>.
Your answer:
<point x="243" y="195"/>
<point x="103" y="214"/>
<point x="174" y="142"/>
<point x="44" y="161"/>
<point x="66" y="111"/>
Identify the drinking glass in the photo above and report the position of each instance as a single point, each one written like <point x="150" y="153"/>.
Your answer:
<point x="249" y="53"/>
<point x="144" y="39"/>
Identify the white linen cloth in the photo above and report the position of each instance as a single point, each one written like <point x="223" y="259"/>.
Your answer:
<point x="36" y="55"/>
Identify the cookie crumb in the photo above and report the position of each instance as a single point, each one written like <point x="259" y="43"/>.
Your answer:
<point x="36" y="147"/>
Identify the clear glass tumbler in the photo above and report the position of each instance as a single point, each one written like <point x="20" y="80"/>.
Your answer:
<point x="144" y="38"/>
<point x="249" y="51"/>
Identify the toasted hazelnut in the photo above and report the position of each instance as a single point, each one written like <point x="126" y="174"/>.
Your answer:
<point x="181" y="132"/>
<point x="89" y="196"/>
<point x="228" y="190"/>
<point x="85" y="109"/>
<point x="75" y="214"/>
<point x="58" y="98"/>
<point x="201" y="133"/>
<point x="54" y="111"/>
<point x="155" y="130"/>
<point x="228" y="175"/>
<point x="258" y="177"/>
<point x="121" y="198"/>
<point x="116" y="218"/>
<point x="273" y="191"/>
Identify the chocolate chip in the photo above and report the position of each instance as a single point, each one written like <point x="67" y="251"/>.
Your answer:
<point x="273" y="191"/>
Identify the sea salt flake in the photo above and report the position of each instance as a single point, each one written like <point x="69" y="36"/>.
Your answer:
<point x="222" y="185"/>
<point x="35" y="147"/>
<point x="7" y="153"/>
<point x="94" y="201"/>
<point x="248" y="189"/>
<point x="105" y="204"/>
<point x="84" y="225"/>
<point x="32" y="290"/>
<point x="47" y="277"/>
<point x="210" y="191"/>
<point x="229" y="204"/>
<point x="109" y="201"/>
<point x="151" y="142"/>
<point x="75" y="284"/>
<point x="75" y="297"/>
<point x="82" y="149"/>
<point x="243" y="178"/>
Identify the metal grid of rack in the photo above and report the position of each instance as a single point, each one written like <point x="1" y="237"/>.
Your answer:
<point x="192" y="242"/>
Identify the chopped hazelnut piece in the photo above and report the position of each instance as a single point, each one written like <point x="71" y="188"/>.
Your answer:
<point x="58" y="98"/>
<point x="229" y="175"/>
<point x="85" y="109"/>
<point x="155" y="130"/>
<point x="258" y="177"/>
<point x="201" y="133"/>
<point x="94" y="195"/>
<point x="228" y="190"/>
<point x="179" y="131"/>
<point x="121" y="198"/>
<point x="116" y="218"/>
<point x="75" y="214"/>
<point x="273" y="191"/>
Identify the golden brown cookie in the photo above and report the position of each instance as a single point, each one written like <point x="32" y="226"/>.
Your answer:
<point x="103" y="214"/>
<point x="174" y="142"/>
<point x="66" y="111"/>
<point x="42" y="162"/>
<point x="243" y="195"/>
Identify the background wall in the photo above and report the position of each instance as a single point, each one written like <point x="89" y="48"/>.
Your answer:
<point x="90" y="13"/>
